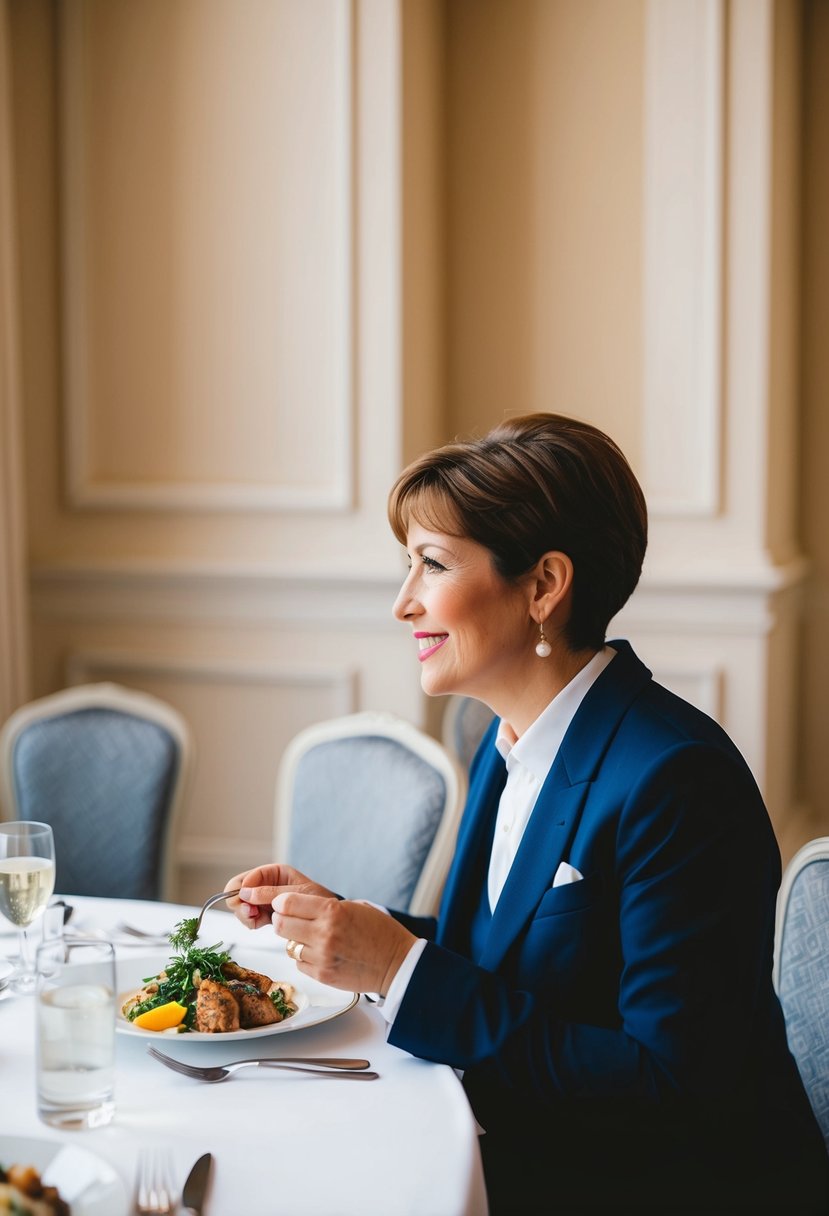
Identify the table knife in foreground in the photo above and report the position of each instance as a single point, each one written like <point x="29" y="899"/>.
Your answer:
<point x="195" y="1187"/>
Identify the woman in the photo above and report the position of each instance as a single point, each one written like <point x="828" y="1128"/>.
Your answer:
<point x="601" y="967"/>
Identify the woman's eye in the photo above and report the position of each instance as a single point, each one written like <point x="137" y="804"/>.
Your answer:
<point x="431" y="564"/>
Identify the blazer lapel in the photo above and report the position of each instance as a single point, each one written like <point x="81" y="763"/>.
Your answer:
<point x="544" y="845"/>
<point x="560" y="803"/>
<point x="472" y="849"/>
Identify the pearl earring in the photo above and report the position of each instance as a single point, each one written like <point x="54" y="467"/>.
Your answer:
<point x="543" y="649"/>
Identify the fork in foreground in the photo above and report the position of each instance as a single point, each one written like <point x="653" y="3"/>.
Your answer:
<point x="346" y="1070"/>
<point x="155" y="1194"/>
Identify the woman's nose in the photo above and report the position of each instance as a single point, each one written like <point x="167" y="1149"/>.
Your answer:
<point x="405" y="606"/>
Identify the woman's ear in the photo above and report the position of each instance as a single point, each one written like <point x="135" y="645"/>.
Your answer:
<point x="552" y="584"/>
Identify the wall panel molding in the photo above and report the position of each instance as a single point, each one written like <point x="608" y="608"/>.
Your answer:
<point x="14" y="625"/>
<point x="715" y="599"/>
<point x="84" y="665"/>
<point x="216" y="595"/>
<point x="324" y="427"/>
<point x="704" y="686"/>
<point x="683" y="249"/>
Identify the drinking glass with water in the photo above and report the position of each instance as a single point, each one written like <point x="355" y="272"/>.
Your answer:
<point x="75" y="1033"/>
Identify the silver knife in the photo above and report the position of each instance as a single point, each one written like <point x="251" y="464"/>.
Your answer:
<point x="195" y="1187"/>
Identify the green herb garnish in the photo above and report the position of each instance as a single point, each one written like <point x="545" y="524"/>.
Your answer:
<point x="184" y="934"/>
<point x="178" y="981"/>
<point x="282" y="1006"/>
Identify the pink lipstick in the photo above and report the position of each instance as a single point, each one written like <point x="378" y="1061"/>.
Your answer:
<point x="428" y="643"/>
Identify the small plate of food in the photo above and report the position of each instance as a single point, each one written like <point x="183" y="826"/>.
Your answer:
<point x="199" y="993"/>
<point x="47" y="1178"/>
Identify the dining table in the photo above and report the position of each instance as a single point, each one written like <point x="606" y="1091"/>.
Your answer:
<point x="281" y="1142"/>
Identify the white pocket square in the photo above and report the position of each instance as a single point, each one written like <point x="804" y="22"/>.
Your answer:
<point x="566" y="873"/>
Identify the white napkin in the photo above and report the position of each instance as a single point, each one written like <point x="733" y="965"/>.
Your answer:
<point x="74" y="1172"/>
<point x="566" y="873"/>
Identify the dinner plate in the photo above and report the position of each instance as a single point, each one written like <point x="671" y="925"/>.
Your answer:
<point x="89" y="1184"/>
<point x="316" y="1002"/>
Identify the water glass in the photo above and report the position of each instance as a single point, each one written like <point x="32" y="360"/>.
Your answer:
<point x="75" y="1028"/>
<point x="52" y="922"/>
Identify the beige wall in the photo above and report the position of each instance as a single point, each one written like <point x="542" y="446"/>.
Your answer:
<point x="14" y="617"/>
<point x="813" y="704"/>
<point x="210" y="311"/>
<point x="342" y="232"/>
<point x="191" y="323"/>
<point x="544" y="207"/>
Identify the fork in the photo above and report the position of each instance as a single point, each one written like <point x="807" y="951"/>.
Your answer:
<point x="209" y="902"/>
<point x="131" y="932"/>
<point x="161" y="939"/>
<point x="347" y="1070"/>
<point x="154" y="1193"/>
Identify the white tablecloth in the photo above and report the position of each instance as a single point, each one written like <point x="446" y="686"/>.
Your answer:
<point x="406" y="1143"/>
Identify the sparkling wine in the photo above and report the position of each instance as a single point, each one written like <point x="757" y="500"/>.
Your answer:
<point x="26" y="884"/>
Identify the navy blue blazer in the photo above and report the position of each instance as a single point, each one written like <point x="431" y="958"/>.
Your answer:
<point x="620" y="1037"/>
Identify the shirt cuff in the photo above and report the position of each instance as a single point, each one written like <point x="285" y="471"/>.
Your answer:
<point x="390" y="1005"/>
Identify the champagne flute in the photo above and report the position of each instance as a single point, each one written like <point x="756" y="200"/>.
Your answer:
<point x="27" y="880"/>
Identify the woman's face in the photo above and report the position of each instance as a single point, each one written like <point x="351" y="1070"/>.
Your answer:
<point x="473" y="630"/>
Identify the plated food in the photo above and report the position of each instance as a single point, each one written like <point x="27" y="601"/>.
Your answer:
<point x="202" y="990"/>
<point x="163" y="997"/>
<point x="84" y="1181"/>
<point x="22" y="1193"/>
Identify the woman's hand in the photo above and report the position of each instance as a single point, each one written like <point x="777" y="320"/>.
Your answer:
<point x="345" y="943"/>
<point x="253" y="905"/>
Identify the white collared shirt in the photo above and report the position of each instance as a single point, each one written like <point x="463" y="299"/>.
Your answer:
<point x="529" y="760"/>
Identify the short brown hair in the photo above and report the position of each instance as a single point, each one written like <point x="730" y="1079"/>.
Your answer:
<point x="536" y="483"/>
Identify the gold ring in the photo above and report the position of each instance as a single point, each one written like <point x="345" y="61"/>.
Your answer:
<point x="294" y="950"/>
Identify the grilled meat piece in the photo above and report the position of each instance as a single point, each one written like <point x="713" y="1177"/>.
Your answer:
<point x="234" y="972"/>
<point x="255" y="1008"/>
<point x="216" y="1009"/>
<point x="22" y="1190"/>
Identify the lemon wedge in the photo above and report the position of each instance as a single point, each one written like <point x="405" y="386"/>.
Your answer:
<point x="163" y="1017"/>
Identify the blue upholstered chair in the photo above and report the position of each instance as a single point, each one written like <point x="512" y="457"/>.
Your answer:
<point x="369" y="806"/>
<point x="108" y="768"/>
<point x="465" y="721"/>
<point x="801" y="968"/>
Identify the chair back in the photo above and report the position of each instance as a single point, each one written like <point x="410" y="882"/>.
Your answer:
<point x="801" y="969"/>
<point x="465" y="721"/>
<point x="368" y="805"/>
<point x="108" y="768"/>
